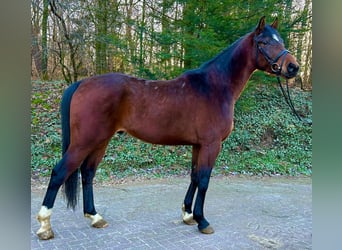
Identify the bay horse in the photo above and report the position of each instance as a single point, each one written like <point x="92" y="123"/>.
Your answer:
<point x="195" y="109"/>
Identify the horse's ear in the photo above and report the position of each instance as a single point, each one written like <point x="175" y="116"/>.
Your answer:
<point x="274" y="25"/>
<point x="260" y="28"/>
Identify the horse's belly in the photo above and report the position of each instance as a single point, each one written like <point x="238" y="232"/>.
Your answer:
<point x="155" y="135"/>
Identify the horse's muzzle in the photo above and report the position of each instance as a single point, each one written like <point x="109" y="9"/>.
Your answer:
<point x="292" y="70"/>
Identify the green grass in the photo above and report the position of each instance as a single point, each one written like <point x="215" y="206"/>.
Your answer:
<point x="267" y="138"/>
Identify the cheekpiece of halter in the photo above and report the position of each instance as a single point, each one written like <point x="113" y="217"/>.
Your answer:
<point x="275" y="67"/>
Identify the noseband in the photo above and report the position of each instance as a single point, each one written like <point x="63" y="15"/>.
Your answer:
<point x="275" y="67"/>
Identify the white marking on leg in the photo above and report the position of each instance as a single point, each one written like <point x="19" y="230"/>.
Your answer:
<point x="94" y="218"/>
<point x="97" y="220"/>
<point x="187" y="217"/>
<point x="44" y="212"/>
<point x="45" y="232"/>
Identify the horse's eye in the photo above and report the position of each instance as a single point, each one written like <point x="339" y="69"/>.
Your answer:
<point x="263" y="42"/>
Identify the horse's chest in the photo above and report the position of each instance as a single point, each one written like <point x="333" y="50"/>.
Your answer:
<point x="226" y="127"/>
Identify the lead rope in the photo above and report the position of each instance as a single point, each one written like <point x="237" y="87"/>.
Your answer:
<point x="289" y="101"/>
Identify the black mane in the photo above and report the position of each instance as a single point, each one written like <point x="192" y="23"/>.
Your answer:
<point x="199" y="78"/>
<point x="224" y="57"/>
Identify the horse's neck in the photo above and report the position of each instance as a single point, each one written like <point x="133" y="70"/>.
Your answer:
<point x="239" y="68"/>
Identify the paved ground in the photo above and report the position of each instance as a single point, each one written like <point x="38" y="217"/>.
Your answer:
<point x="257" y="213"/>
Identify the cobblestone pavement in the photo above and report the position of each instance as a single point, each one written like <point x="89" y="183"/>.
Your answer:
<point x="246" y="213"/>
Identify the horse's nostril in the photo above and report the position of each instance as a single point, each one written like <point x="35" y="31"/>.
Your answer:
<point x="292" y="68"/>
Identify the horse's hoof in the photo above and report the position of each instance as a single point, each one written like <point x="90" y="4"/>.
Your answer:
<point x="100" y="224"/>
<point x="188" y="218"/>
<point x="46" y="235"/>
<point x="97" y="221"/>
<point x="208" y="230"/>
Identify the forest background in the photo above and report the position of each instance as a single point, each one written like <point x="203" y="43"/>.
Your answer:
<point x="161" y="39"/>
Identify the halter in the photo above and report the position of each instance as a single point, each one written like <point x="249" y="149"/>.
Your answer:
<point x="275" y="67"/>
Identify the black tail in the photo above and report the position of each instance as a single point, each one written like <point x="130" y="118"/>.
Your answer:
<point x="71" y="186"/>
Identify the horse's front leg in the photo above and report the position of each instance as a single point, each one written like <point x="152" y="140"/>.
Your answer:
<point x="203" y="183"/>
<point x="187" y="205"/>
<point x="206" y="160"/>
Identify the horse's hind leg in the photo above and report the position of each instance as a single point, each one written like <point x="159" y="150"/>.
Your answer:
<point x="88" y="170"/>
<point x="60" y="173"/>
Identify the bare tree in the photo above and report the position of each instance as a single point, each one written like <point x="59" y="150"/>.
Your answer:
<point x="36" y="53"/>
<point x="69" y="70"/>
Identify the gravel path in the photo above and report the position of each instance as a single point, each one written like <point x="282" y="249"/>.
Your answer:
<point x="246" y="213"/>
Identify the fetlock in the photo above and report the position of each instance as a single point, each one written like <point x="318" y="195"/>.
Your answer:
<point x="96" y="220"/>
<point x="187" y="217"/>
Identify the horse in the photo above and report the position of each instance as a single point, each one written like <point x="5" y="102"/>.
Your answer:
<point x="195" y="109"/>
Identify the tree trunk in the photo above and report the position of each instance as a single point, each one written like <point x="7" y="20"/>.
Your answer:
<point x="141" y="38"/>
<point x="189" y="30"/>
<point x="101" y="34"/>
<point x="44" y="58"/>
<point x="35" y="51"/>
<point x="128" y="34"/>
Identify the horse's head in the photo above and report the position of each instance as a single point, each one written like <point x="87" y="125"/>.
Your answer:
<point x="271" y="55"/>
